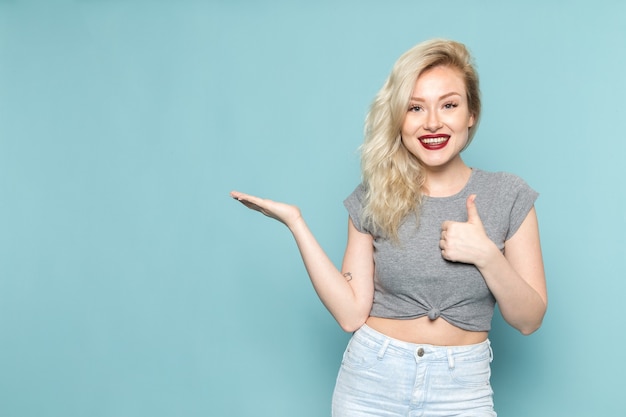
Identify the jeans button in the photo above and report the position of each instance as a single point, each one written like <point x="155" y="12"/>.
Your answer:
<point x="420" y="352"/>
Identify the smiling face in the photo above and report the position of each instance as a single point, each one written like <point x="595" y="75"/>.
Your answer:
<point x="437" y="121"/>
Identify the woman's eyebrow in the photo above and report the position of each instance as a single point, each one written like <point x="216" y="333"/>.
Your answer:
<point x="453" y="93"/>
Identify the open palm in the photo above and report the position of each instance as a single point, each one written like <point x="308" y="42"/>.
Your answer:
<point x="284" y="213"/>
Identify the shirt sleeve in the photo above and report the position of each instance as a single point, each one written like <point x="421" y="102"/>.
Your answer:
<point x="524" y="198"/>
<point x="354" y="204"/>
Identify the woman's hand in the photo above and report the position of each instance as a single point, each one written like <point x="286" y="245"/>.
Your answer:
<point x="282" y="212"/>
<point x="466" y="242"/>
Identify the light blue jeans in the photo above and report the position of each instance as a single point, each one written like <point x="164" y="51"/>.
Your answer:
<point x="381" y="376"/>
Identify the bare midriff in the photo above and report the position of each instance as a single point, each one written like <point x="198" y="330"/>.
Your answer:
<point x="422" y="330"/>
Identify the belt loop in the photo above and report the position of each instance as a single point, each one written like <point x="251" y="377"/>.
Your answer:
<point x="383" y="349"/>
<point x="490" y="351"/>
<point x="450" y="359"/>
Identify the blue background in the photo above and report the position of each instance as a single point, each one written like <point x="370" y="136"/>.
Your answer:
<point x="132" y="285"/>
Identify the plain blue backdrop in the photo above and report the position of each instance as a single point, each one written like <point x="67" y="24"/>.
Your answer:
<point x="132" y="285"/>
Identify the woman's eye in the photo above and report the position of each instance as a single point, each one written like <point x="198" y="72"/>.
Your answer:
<point x="450" y="105"/>
<point x="415" y="108"/>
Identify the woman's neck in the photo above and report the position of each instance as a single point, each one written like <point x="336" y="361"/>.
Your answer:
<point x="448" y="181"/>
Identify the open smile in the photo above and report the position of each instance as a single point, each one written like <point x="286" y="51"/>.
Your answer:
<point x="434" y="142"/>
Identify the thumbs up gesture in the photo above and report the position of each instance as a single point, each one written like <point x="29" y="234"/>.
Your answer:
<point x="465" y="242"/>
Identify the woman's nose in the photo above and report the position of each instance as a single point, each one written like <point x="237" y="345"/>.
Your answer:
<point x="433" y="122"/>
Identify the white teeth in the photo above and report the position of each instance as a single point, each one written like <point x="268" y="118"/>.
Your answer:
<point x="434" y="141"/>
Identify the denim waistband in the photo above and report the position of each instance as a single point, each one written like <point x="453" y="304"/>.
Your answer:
<point x="388" y="345"/>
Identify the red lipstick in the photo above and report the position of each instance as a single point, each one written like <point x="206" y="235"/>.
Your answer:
<point x="434" y="142"/>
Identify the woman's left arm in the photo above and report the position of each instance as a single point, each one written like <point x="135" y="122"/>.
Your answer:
<point x="515" y="278"/>
<point x="518" y="280"/>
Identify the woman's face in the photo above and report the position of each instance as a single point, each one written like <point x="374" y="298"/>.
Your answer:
<point x="437" y="121"/>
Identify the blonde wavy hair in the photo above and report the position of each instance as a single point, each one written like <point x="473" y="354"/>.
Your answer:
<point x="392" y="176"/>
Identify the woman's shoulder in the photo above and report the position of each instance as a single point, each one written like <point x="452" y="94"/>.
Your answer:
<point x="505" y="193"/>
<point x="498" y="179"/>
<point x="354" y="204"/>
<point x="358" y="193"/>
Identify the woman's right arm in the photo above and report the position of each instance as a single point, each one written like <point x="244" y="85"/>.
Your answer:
<point x="347" y="297"/>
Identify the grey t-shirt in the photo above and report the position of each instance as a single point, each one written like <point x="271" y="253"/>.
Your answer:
<point x="413" y="280"/>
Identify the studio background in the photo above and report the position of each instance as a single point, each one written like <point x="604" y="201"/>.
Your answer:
<point x="132" y="285"/>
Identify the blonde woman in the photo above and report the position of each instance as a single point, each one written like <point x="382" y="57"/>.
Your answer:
<point x="433" y="244"/>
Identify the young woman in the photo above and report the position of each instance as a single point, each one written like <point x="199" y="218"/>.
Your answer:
<point x="432" y="245"/>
